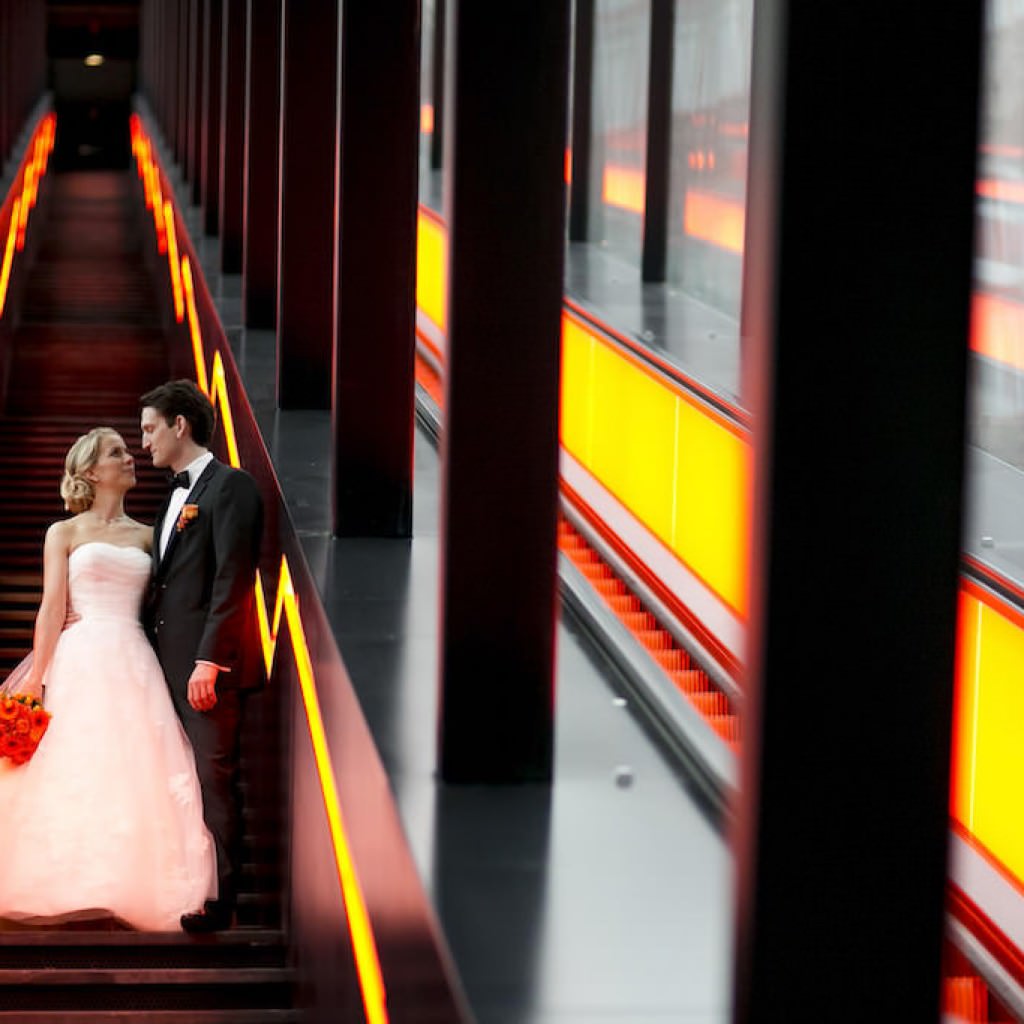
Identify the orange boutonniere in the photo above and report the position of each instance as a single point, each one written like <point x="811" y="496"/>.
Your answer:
<point x="23" y="720"/>
<point x="187" y="515"/>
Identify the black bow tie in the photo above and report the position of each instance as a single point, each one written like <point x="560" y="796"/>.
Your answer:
<point x="181" y="480"/>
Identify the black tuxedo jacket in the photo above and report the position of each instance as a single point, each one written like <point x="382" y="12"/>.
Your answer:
<point x="200" y="604"/>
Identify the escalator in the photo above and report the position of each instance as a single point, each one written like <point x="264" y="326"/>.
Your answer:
<point x="87" y="342"/>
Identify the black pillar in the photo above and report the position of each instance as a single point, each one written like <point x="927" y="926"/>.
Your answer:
<point x="170" y="43"/>
<point x="509" y="68"/>
<point x="232" y="135"/>
<point x="374" y="355"/>
<point x="262" y="132"/>
<point x="210" y="154"/>
<point x="305" y="298"/>
<point x="437" y="85"/>
<point x="184" y="83"/>
<point x="582" y="120"/>
<point x="659" y="141"/>
<point x="856" y="303"/>
<point x="196" y="123"/>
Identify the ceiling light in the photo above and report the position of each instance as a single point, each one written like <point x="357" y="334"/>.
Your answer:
<point x="94" y="60"/>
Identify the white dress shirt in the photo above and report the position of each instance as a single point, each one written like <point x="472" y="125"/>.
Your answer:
<point x="180" y="496"/>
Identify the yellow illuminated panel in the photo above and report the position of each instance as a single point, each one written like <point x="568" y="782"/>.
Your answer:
<point x="432" y="269"/>
<point x="631" y="449"/>
<point x="577" y="411"/>
<point x="680" y="470"/>
<point x="286" y="605"/>
<point x="988" y="764"/>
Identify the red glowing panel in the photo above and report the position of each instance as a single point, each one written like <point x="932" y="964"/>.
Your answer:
<point x="997" y="329"/>
<point x="1001" y="191"/>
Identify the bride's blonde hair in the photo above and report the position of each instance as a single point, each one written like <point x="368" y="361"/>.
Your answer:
<point x="76" y="489"/>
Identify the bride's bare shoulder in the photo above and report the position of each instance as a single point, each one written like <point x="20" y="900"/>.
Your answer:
<point x="60" y="534"/>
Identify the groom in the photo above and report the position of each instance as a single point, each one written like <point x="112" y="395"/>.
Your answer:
<point x="199" y="612"/>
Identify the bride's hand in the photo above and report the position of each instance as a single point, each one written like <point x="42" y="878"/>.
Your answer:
<point x="31" y="687"/>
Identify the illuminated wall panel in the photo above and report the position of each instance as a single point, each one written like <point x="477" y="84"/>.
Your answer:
<point x="432" y="269"/>
<point x="988" y="753"/>
<point x="680" y="470"/>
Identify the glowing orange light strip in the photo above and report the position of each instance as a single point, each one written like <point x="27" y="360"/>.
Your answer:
<point x="5" y="270"/>
<point x="172" y="262"/>
<point x="193" y="325"/>
<point x="427" y="119"/>
<point x="364" y="945"/>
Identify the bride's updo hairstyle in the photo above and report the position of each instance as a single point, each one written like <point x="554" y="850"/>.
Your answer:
<point x="76" y="490"/>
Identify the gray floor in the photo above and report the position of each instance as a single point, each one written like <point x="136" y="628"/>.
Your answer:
<point x="589" y="901"/>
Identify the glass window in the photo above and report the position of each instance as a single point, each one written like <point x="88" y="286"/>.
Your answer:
<point x="710" y="113"/>
<point x="621" y="45"/>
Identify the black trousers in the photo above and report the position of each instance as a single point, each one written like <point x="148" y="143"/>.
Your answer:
<point x="215" y="736"/>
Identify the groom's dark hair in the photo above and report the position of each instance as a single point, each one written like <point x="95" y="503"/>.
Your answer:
<point x="183" y="398"/>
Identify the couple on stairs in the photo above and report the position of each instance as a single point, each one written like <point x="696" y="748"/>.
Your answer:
<point x="144" y="645"/>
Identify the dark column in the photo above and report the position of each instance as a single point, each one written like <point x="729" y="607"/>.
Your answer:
<point x="170" y="44"/>
<point x="374" y="355"/>
<point x="184" y="83"/>
<point x="659" y="140"/>
<point x="262" y="134"/>
<point x="582" y="121"/>
<point x="500" y="470"/>
<point x="196" y="125"/>
<point x="437" y="85"/>
<point x="210" y="170"/>
<point x="305" y="298"/>
<point x="5" y="82"/>
<point x="856" y="304"/>
<point x="232" y="135"/>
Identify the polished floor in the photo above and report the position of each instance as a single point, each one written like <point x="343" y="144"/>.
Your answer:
<point x="605" y="897"/>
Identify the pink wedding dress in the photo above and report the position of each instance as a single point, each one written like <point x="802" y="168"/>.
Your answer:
<point x="106" y="819"/>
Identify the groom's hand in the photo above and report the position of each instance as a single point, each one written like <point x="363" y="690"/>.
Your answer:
<point x="202" y="686"/>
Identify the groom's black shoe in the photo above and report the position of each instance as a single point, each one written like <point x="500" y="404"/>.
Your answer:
<point x="214" y="917"/>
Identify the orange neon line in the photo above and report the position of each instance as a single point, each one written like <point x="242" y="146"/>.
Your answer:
<point x="193" y="325"/>
<point x="5" y="270"/>
<point x="25" y="207"/>
<point x="158" y="213"/>
<point x="567" y="170"/>
<point x="172" y="262"/>
<point x="427" y="119"/>
<point x="219" y="395"/>
<point x="364" y="946"/>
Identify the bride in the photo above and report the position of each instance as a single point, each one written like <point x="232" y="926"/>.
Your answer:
<point x="106" y="819"/>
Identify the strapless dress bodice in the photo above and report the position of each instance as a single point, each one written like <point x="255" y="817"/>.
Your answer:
<point x="107" y="580"/>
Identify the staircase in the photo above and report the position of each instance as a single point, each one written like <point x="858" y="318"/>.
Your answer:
<point x="88" y="343"/>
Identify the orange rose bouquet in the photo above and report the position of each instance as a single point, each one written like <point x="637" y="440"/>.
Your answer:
<point x="23" y="721"/>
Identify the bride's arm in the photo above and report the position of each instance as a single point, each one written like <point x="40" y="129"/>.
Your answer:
<point x="54" y="606"/>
